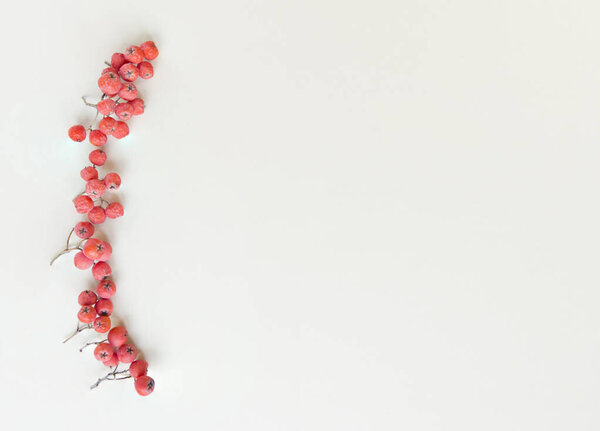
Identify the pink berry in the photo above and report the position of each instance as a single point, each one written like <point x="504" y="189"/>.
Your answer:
<point x="108" y="70"/>
<point x="117" y="60"/>
<point x="127" y="353"/>
<point x="104" y="307"/>
<point x="103" y="351"/>
<point x="144" y="385"/>
<point x="146" y="71"/>
<point x="128" y="91"/>
<point x="94" y="248"/>
<point x="107" y="252"/>
<point x="89" y="173"/>
<point x="117" y="336"/>
<point x="113" y="361"/>
<point x="86" y="314"/>
<point x="121" y="130"/>
<point x="83" y="204"/>
<point x="110" y="83"/>
<point x="124" y="111"/>
<point x="98" y="157"/>
<point x="105" y="107"/>
<point x="149" y="50"/>
<point x="101" y="270"/>
<point x="106" y="289"/>
<point x="97" y="215"/>
<point x="138" y="368"/>
<point x="97" y="138"/>
<point x="129" y="72"/>
<point x="84" y="230"/>
<point x="138" y="106"/>
<point x="114" y="210"/>
<point x="112" y="181"/>
<point x="81" y="261"/>
<point x="95" y="188"/>
<point x="107" y="125"/>
<point x="87" y="297"/>
<point x="134" y="54"/>
<point x="102" y="324"/>
<point x="77" y="133"/>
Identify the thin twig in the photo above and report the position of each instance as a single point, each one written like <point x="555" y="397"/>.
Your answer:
<point x="93" y="342"/>
<point x="111" y="376"/>
<point x="69" y="238"/>
<point x="77" y="331"/>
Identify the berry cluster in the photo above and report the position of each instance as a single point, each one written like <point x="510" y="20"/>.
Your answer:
<point x="118" y="104"/>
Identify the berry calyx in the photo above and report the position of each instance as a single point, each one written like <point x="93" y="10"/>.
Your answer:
<point x="106" y="289"/>
<point x="128" y="91"/>
<point x="113" y="361"/>
<point x="86" y="314"/>
<point x="102" y="324"/>
<point x="129" y="72"/>
<point x="112" y="181"/>
<point x="103" y="351"/>
<point x="144" y="385"/>
<point x="127" y="353"/>
<point x="84" y="229"/>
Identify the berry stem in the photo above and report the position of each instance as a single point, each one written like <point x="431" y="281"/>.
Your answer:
<point x="111" y="376"/>
<point x="93" y="342"/>
<point x="68" y="239"/>
<point x="93" y="105"/>
<point x="66" y="250"/>
<point x="77" y="331"/>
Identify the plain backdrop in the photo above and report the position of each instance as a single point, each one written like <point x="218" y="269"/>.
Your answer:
<point x="339" y="215"/>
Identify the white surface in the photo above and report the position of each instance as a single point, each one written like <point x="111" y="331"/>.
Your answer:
<point x="338" y="215"/>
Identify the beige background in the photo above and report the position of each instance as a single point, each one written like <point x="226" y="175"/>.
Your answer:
<point x="339" y="215"/>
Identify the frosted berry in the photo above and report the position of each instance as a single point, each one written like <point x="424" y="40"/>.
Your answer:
<point x="103" y="351"/>
<point x="117" y="60"/>
<point x="83" y="204"/>
<point x="97" y="138"/>
<point x="77" y="133"/>
<point x="128" y="91"/>
<point x="102" y="324"/>
<point x="121" y="130"/>
<point x="127" y="353"/>
<point x="129" y="72"/>
<point x="114" y="210"/>
<point x="106" y="289"/>
<point x="108" y="70"/>
<point x="86" y="314"/>
<point x="95" y="188"/>
<point x="113" y="361"/>
<point x="149" y="50"/>
<point x="84" y="229"/>
<point x="106" y="253"/>
<point x="87" y="297"/>
<point x="138" y="368"/>
<point x="81" y="261"/>
<point x="104" y="307"/>
<point x="107" y="125"/>
<point x="117" y="336"/>
<point x="97" y="215"/>
<point x="110" y="83"/>
<point x="106" y="106"/>
<point x="138" y="106"/>
<point x="89" y="173"/>
<point x="94" y="248"/>
<point x="101" y="270"/>
<point x="134" y="54"/>
<point x="146" y="71"/>
<point x="112" y="181"/>
<point x="144" y="385"/>
<point x="124" y="111"/>
<point x="98" y="157"/>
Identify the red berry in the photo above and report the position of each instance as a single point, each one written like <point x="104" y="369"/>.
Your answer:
<point x="114" y="210"/>
<point x="77" y="133"/>
<point x="89" y="173"/>
<point x="84" y="230"/>
<point x="95" y="188"/>
<point x="107" y="125"/>
<point x="146" y="71"/>
<point x="117" y="336"/>
<point x="113" y="361"/>
<point x="117" y="60"/>
<point x="109" y="83"/>
<point x="98" y="157"/>
<point x="112" y="181"/>
<point x="138" y="368"/>
<point x="106" y="289"/>
<point x="129" y="72"/>
<point x="97" y="215"/>
<point x="97" y="138"/>
<point x="107" y="252"/>
<point x="138" y="106"/>
<point x="127" y="353"/>
<point x="102" y="324"/>
<point x="81" y="261"/>
<point x="106" y="106"/>
<point x="104" y="307"/>
<point x="149" y="50"/>
<point x="144" y="385"/>
<point x="94" y="248"/>
<point x="87" y="297"/>
<point x="103" y="352"/>
<point x="134" y="54"/>
<point x="128" y="91"/>
<point x="121" y="130"/>
<point x="124" y="111"/>
<point x="83" y="204"/>
<point x="86" y="314"/>
<point x="108" y="70"/>
<point x="101" y="270"/>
